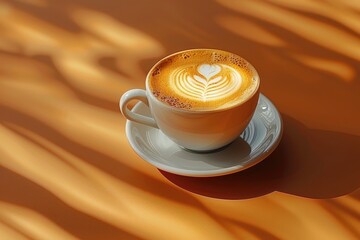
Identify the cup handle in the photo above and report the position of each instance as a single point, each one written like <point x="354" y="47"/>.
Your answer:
<point x="138" y="94"/>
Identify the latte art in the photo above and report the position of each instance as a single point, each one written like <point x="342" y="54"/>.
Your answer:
<point x="209" y="82"/>
<point x="203" y="80"/>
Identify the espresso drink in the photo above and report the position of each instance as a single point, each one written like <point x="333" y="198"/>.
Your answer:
<point x="203" y="79"/>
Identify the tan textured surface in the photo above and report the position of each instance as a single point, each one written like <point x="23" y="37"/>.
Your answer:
<point x="67" y="171"/>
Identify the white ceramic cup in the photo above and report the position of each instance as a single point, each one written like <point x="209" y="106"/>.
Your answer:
<point x="194" y="130"/>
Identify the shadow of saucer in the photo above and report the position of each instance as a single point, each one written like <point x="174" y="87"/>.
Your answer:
<point x="309" y="163"/>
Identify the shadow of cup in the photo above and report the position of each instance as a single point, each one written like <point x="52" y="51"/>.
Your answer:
<point x="309" y="163"/>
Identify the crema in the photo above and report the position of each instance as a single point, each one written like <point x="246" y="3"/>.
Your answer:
<point x="203" y="79"/>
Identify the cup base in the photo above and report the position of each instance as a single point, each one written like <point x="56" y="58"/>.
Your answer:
<point x="206" y="151"/>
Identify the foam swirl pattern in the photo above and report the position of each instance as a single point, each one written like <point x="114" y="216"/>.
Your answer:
<point x="206" y="82"/>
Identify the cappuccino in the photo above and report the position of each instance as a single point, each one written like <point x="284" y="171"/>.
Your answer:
<point x="203" y="79"/>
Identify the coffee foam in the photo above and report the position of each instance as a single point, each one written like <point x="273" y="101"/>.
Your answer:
<point x="203" y="80"/>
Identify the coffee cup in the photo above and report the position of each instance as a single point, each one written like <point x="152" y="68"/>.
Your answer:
<point x="202" y="99"/>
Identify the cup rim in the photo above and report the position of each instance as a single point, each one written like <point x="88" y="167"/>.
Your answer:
<point x="151" y="95"/>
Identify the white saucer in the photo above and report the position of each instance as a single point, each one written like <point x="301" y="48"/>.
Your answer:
<point x="259" y="139"/>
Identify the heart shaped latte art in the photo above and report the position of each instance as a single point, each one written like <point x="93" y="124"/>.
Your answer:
<point x="208" y="71"/>
<point x="207" y="83"/>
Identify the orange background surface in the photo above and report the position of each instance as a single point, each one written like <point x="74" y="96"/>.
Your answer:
<point x="67" y="171"/>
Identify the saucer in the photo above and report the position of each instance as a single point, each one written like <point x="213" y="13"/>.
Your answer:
<point x="258" y="140"/>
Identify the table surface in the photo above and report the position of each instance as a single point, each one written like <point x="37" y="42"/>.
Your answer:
<point x="68" y="172"/>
